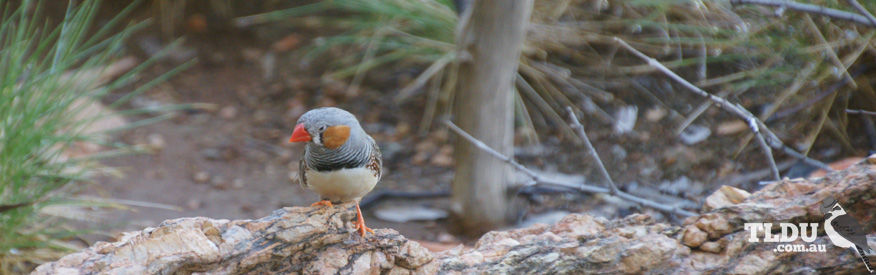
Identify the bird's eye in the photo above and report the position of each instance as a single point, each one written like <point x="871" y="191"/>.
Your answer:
<point x="322" y="128"/>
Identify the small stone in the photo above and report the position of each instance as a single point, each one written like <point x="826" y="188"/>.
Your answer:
<point x="251" y="54"/>
<point x="407" y="213"/>
<point x="871" y="159"/>
<point x="444" y="157"/>
<point x="194" y="204"/>
<point x="445" y="237"/>
<point x="694" y="134"/>
<point x="285" y="155"/>
<point x="156" y="141"/>
<point x="261" y="116"/>
<point x="420" y="158"/>
<point x="228" y="112"/>
<point x="286" y="43"/>
<point x="211" y="153"/>
<point x="196" y="23"/>
<point x="713" y="247"/>
<point x="725" y="196"/>
<point x="655" y="114"/>
<point x="219" y="182"/>
<point x="237" y="184"/>
<point x="618" y="152"/>
<point x="402" y="129"/>
<point x="731" y="127"/>
<point x="625" y="119"/>
<point x="201" y="177"/>
<point x="693" y="236"/>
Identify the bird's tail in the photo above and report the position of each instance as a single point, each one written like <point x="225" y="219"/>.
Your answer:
<point x="864" y="258"/>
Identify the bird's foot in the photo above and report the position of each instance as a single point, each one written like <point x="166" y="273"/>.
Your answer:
<point x="360" y="223"/>
<point x="322" y="203"/>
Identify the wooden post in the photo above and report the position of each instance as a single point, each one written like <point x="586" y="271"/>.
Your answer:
<point x="490" y="38"/>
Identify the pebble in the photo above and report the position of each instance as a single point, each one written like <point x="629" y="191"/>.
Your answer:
<point x="409" y="213"/>
<point x="444" y="157"/>
<point x="731" y="127"/>
<point x="626" y="119"/>
<point x="201" y="177"/>
<point x="194" y="204"/>
<point x="237" y="184"/>
<point x="156" y="141"/>
<point x="694" y="134"/>
<point x="219" y="182"/>
<point x="655" y="114"/>
<point x="228" y="112"/>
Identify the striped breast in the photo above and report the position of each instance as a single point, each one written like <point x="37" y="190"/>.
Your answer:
<point x="343" y="183"/>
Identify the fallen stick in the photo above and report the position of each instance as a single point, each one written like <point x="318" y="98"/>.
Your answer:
<point x="536" y="178"/>
<point x="765" y="137"/>
<point x="809" y="8"/>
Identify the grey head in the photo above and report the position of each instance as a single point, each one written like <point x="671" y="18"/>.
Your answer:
<point x="334" y="138"/>
<point x="318" y="120"/>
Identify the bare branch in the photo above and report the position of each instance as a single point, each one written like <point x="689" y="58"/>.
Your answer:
<point x="863" y="11"/>
<point x="576" y="186"/>
<point x="580" y="128"/>
<point x="860" y="112"/>
<point x="753" y="123"/>
<point x="809" y="8"/>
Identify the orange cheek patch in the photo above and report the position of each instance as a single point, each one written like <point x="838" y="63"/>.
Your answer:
<point x="335" y="136"/>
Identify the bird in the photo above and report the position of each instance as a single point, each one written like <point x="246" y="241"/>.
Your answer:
<point x="844" y="231"/>
<point x="340" y="162"/>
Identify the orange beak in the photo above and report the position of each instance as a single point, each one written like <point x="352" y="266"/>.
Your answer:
<point x="299" y="134"/>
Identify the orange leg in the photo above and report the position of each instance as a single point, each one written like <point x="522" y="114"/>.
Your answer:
<point x="322" y="203"/>
<point x="360" y="222"/>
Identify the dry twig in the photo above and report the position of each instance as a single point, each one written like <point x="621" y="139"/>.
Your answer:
<point x="863" y="11"/>
<point x="860" y="112"/>
<point x="762" y="132"/>
<point x="753" y="123"/>
<point x="809" y="8"/>
<point x="580" y="128"/>
<point x="536" y="178"/>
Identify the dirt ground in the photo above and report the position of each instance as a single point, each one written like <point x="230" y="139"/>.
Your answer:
<point x="232" y="159"/>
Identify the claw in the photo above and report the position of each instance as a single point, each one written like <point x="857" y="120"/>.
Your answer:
<point x="322" y="203"/>
<point x="360" y="222"/>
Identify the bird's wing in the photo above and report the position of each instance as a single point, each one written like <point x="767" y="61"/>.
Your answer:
<point x="302" y="166"/>
<point x="849" y="228"/>
<point x="376" y="158"/>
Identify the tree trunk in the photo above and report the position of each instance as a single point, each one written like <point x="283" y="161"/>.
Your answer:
<point x="490" y="38"/>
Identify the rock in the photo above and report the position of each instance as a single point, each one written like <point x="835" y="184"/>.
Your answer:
<point x="286" y="43"/>
<point x="655" y="114"/>
<point x="444" y="157"/>
<point x="694" y="237"/>
<point x="201" y="176"/>
<point x="409" y="213"/>
<point x="837" y="165"/>
<point x="228" y="112"/>
<point x="713" y="247"/>
<point x="194" y="204"/>
<point x="725" y="196"/>
<point x="625" y="119"/>
<point x="694" y="134"/>
<point x="237" y="183"/>
<point x="321" y="240"/>
<point x="731" y="127"/>
<point x="219" y="182"/>
<point x="550" y="217"/>
<point x="156" y="141"/>
<point x="196" y="23"/>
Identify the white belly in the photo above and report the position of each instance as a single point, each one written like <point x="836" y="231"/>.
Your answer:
<point x="341" y="185"/>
